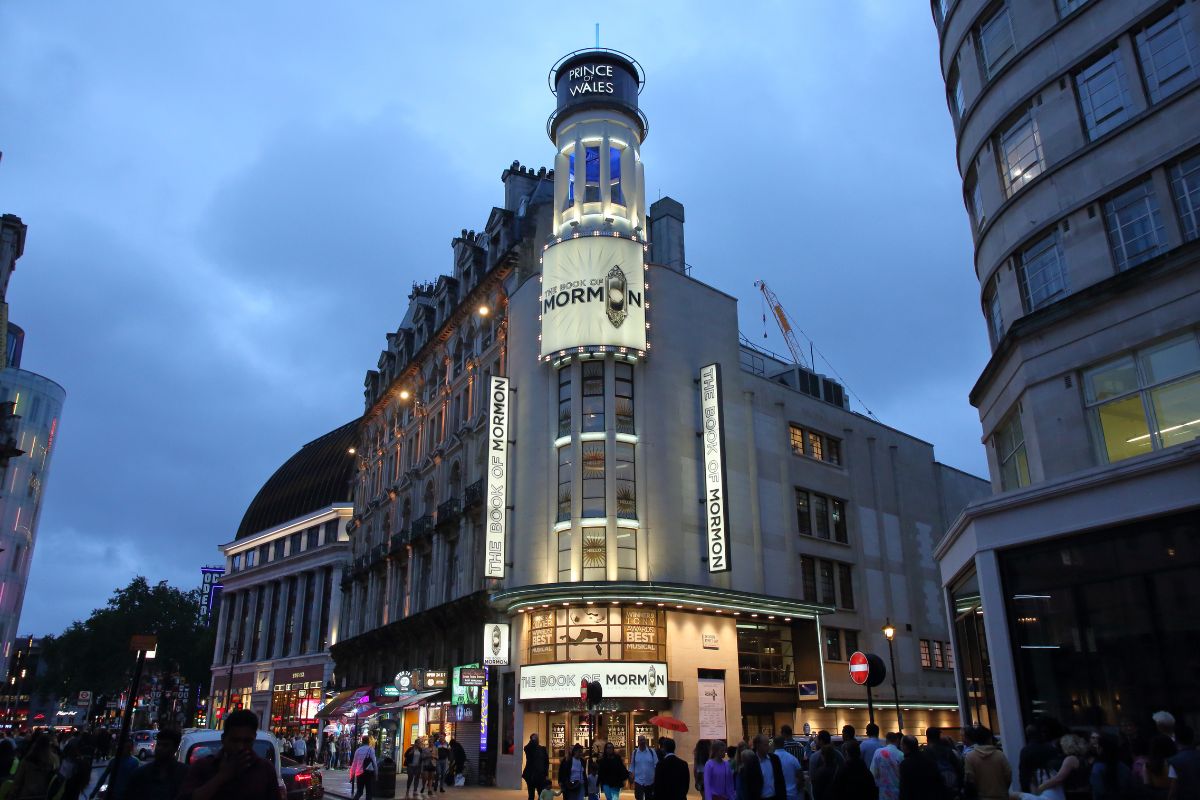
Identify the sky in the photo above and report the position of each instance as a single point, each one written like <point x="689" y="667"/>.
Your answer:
<point x="229" y="202"/>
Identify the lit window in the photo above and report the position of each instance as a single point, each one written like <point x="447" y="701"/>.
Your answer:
<point x="949" y="655"/>
<point x="797" y="438"/>
<point x="814" y="447"/>
<point x="595" y="554"/>
<point x="1020" y="150"/>
<point x="570" y="201"/>
<point x="1168" y="53"/>
<point x="938" y="663"/>
<point x="925" y="660"/>
<point x="1103" y="94"/>
<point x="564" y="401"/>
<point x="565" y="476"/>
<point x="591" y="190"/>
<point x="1042" y="272"/>
<point x="1148" y="400"/>
<point x="996" y="40"/>
<point x="626" y="482"/>
<point x="593" y="479"/>
<point x="1135" y="226"/>
<point x="1185" y="185"/>
<point x="616" y="195"/>
<point x="1009" y="441"/>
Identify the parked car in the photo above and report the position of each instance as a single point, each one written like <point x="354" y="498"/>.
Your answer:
<point x="143" y="744"/>
<point x="302" y="781"/>
<point x="200" y="742"/>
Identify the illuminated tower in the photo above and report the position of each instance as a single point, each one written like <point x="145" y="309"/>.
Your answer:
<point x="593" y="296"/>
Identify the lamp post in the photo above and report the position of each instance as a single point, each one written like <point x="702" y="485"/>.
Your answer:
<point x="889" y="633"/>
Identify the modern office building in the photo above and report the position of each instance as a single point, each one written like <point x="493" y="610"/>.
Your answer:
<point x="30" y="411"/>
<point x="1075" y="588"/>
<point x="280" y="603"/>
<point x="572" y="468"/>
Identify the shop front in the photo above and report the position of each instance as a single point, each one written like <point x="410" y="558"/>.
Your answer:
<point x="230" y="692"/>
<point x="295" y="698"/>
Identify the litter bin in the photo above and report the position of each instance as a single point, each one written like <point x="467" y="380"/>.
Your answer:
<point x="385" y="781"/>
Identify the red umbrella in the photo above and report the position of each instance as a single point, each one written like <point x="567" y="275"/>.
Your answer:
<point x="670" y="723"/>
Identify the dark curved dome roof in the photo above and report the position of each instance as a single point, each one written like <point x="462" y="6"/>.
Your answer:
<point x="318" y="475"/>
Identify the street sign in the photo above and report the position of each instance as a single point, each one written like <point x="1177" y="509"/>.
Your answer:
<point x="472" y="676"/>
<point x="860" y="670"/>
<point x="84" y="699"/>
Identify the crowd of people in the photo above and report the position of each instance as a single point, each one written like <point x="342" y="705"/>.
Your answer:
<point x="1054" y="764"/>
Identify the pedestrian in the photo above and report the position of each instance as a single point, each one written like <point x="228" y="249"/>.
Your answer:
<point x="699" y="759"/>
<point x="1110" y="779"/>
<point x="869" y="745"/>
<point x="1160" y="775"/>
<point x="8" y="763"/>
<point x="748" y="780"/>
<point x="460" y="761"/>
<point x="848" y="735"/>
<point x="74" y="768"/>
<point x="947" y="762"/>
<point x="162" y="778"/>
<point x="986" y="770"/>
<point x="823" y="766"/>
<point x="428" y="766"/>
<point x="1037" y="756"/>
<point x="853" y="780"/>
<point x="1164" y="721"/>
<point x="774" y="784"/>
<point x="363" y="769"/>
<point x="103" y="744"/>
<point x="118" y="772"/>
<point x="571" y="775"/>
<point x="642" y="763"/>
<point x="299" y="748"/>
<point x="313" y="744"/>
<point x="537" y="766"/>
<point x="612" y="772"/>
<point x="412" y="765"/>
<point x="443" y="761"/>
<point x="36" y="770"/>
<point x="885" y="767"/>
<point x="1072" y="778"/>
<point x="1186" y="763"/>
<point x="671" y="776"/>
<point x="798" y="748"/>
<point x="919" y="778"/>
<point x="593" y="780"/>
<point x="793" y="773"/>
<point x="718" y="775"/>
<point x="236" y="772"/>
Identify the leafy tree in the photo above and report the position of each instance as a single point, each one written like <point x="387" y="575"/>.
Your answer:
<point x="94" y="654"/>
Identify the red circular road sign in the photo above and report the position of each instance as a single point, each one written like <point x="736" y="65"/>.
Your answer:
<point x="860" y="670"/>
<point x="583" y="687"/>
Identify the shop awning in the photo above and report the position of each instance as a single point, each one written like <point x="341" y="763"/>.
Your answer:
<point x="343" y="704"/>
<point x="413" y="700"/>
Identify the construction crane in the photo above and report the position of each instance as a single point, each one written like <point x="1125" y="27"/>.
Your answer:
<point x="784" y="322"/>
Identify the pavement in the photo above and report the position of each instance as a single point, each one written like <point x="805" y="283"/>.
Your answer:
<point x="337" y="784"/>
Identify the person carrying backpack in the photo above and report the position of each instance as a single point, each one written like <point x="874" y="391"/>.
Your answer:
<point x="36" y="772"/>
<point x="949" y="765"/>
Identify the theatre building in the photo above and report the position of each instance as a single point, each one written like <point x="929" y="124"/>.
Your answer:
<point x="572" y="469"/>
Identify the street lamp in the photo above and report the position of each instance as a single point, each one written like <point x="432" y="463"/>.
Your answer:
<point x="889" y="633"/>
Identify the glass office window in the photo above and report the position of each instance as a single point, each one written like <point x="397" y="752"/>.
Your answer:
<point x="1135" y="227"/>
<point x="1043" y="273"/>
<point x="1103" y="94"/>
<point x="1168" y="53"/>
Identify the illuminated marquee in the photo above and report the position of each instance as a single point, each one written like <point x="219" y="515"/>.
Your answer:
<point x="496" y="502"/>
<point x="593" y="295"/>
<point x="716" y="502"/>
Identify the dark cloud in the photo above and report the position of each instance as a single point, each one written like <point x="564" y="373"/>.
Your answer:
<point x="227" y="206"/>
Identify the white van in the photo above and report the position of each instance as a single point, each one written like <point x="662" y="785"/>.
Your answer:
<point x="200" y="742"/>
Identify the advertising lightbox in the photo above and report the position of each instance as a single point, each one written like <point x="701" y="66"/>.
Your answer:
<point x="593" y="295"/>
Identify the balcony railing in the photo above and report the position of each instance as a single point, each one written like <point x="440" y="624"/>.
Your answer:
<point x="399" y="541"/>
<point x="422" y="527"/>
<point x="449" y="512"/>
<point x="473" y="496"/>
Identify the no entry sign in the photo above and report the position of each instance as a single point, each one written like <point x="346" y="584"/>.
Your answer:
<point x="860" y="670"/>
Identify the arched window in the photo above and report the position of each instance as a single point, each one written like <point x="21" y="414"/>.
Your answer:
<point x="455" y="481"/>
<point x="428" y="504"/>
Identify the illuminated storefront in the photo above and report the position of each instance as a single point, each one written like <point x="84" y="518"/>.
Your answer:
<point x="297" y="695"/>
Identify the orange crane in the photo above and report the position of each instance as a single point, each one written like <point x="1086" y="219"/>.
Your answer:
<point x="784" y="322"/>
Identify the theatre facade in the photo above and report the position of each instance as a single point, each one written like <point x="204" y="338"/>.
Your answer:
<point x="571" y="468"/>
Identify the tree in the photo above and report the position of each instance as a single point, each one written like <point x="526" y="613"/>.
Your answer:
<point x="94" y="654"/>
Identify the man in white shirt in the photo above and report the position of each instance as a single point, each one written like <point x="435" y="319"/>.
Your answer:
<point x="642" y="764"/>
<point x="299" y="748"/>
<point x="362" y="770"/>
<point x="791" y="768"/>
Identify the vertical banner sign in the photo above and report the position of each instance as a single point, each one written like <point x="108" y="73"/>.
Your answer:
<point x="711" y="695"/>
<point x="716" y="504"/>
<point x="497" y="476"/>
<point x="495" y="644"/>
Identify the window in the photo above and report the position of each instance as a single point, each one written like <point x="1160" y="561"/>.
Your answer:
<point x="846" y="586"/>
<point x="1185" y="185"/>
<point x="935" y="654"/>
<point x="815" y="445"/>
<point x="992" y="311"/>
<point x="850" y="641"/>
<point x="1009" y="441"/>
<point x="591" y="187"/>
<point x="312" y="536"/>
<point x="764" y="655"/>
<point x="626" y="554"/>
<point x="974" y="195"/>
<point x="840" y="644"/>
<point x="564" y="401"/>
<point x="938" y="662"/>
<point x="623" y="383"/>
<point x="1066" y="7"/>
<point x="616" y="195"/>
<point x="825" y="572"/>
<point x="1103" y="94"/>
<point x="565" y="476"/>
<point x="803" y="513"/>
<point x="595" y="554"/>
<point x="1135" y="227"/>
<point x="1020" y="150"/>
<point x="593" y="396"/>
<point x="570" y="201"/>
<point x="821" y="515"/>
<point x="1167" y="51"/>
<point x="837" y="513"/>
<point x="250" y="556"/>
<point x="996" y="40"/>
<point x="1147" y="400"/>
<point x="294" y="544"/>
<point x="236" y="563"/>
<point x="925" y="660"/>
<point x="808" y="575"/>
<point x="593" y="479"/>
<point x="564" y="556"/>
<point x="626" y="482"/>
<point x="954" y="93"/>
<point x="1042" y="272"/>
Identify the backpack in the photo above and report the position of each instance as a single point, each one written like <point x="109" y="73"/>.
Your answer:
<point x="948" y="770"/>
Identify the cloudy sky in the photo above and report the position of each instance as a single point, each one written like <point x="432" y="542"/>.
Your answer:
<point x="228" y="202"/>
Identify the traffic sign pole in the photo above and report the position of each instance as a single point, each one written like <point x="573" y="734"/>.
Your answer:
<point x="870" y="705"/>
